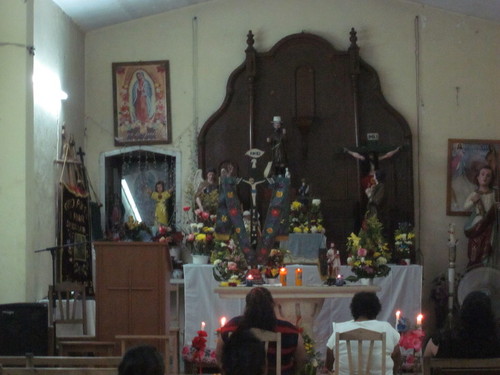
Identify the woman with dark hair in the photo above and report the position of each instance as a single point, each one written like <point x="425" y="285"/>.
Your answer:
<point x="244" y="354"/>
<point x="365" y="307"/>
<point x="475" y="335"/>
<point x="142" y="360"/>
<point x="259" y="313"/>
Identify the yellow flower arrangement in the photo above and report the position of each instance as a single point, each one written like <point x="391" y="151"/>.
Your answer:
<point x="369" y="253"/>
<point x="306" y="219"/>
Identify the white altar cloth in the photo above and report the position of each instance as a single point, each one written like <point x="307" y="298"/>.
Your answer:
<point x="400" y="290"/>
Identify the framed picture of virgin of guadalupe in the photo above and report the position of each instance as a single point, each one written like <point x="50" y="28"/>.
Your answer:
<point x="141" y="103"/>
<point x="466" y="157"/>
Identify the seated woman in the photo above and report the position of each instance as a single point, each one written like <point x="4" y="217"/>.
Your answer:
<point x="475" y="334"/>
<point x="365" y="307"/>
<point x="244" y="354"/>
<point x="259" y="313"/>
<point x="142" y="360"/>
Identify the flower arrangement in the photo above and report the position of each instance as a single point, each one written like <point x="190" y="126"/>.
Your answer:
<point x="313" y="357"/>
<point x="369" y="252"/>
<point x="168" y="235"/>
<point x="229" y="262"/>
<point x="403" y="240"/>
<point x="275" y="261"/>
<point x="411" y="343"/>
<point x="306" y="219"/>
<point x="134" y="230"/>
<point x="198" y="231"/>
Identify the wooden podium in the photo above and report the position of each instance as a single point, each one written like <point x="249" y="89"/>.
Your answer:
<point x="132" y="284"/>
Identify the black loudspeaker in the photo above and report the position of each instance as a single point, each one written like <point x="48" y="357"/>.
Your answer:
<point x="23" y="329"/>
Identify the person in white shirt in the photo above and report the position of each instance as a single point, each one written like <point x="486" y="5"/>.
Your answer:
<point x="365" y="307"/>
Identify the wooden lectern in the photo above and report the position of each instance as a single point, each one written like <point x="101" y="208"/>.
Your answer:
<point x="132" y="284"/>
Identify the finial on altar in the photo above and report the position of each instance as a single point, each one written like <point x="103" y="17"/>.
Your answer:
<point x="452" y="241"/>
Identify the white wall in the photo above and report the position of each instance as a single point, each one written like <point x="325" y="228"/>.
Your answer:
<point x="454" y="51"/>
<point x="29" y="138"/>
<point x="58" y="65"/>
<point x="16" y="139"/>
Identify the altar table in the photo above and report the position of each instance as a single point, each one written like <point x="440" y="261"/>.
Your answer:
<point x="400" y="290"/>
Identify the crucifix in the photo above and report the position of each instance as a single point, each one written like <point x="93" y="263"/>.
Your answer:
<point x="254" y="154"/>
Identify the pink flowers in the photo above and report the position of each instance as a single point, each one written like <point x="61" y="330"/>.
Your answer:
<point x="412" y="339"/>
<point x="362" y="252"/>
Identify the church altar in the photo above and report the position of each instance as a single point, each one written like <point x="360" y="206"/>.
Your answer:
<point x="400" y="290"/>
<point x="299" y="304"/>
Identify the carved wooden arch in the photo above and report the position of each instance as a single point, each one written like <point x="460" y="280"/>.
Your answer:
<point x="328" y="100"/>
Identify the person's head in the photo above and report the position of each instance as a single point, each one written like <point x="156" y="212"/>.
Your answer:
<point x="259" y="309"/>
<point x="476" y="311"/>
<point x="276" y="122"/>
<point x="142" y="360"/>
<point x="484" y="176"/>
<point x="380" y="176"/>
<point x="365" y="305"/>
<point x="246" y="215"/>
<point x="140" y="75"/>
<point x="211" y="175"/>
<point x="243" y="354"/>
<point x="160" y="186"/>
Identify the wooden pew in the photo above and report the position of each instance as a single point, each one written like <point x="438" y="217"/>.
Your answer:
<point x="44" y="365"/>
<point x="456" y="366"/>
<point x="58" y="371"/>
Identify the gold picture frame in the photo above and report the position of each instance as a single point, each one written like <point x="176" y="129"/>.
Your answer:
<point x="465" y="158"/>
<point x="141" y="103"/>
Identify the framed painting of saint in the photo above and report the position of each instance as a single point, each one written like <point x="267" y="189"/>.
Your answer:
<point x="141" y="103"/>
<point x="466" y="157"/>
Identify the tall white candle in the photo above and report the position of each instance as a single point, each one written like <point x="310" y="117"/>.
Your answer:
<point x="419" y="320"/>
<point x="398" y="313"/>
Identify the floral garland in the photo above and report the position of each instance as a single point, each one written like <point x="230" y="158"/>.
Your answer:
<point x="369" y="253"/>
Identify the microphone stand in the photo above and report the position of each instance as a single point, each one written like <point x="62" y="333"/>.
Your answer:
<point x="53" y="254"/>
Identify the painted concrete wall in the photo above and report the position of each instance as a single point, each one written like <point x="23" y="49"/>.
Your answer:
<point x="58" y="66"/>
<point x="458" y="73"/>
<point x="15" y="143"/>
<point x="30" y="122"/>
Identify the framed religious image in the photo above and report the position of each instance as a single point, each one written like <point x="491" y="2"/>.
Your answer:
<point x="141" y="103"/>
<point x="466" y="157"/>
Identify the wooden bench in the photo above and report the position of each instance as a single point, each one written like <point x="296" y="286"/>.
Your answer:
<point x="472" y="366"/>
<point x="58" y="371"/>
<point x="45" y="365"/>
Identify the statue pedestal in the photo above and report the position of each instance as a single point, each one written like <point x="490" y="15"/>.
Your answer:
<point x="299" y="304"/>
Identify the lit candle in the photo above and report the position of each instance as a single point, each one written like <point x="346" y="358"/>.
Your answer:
<point x="419" y="320"/>
<point x="340" y="280"/>
<point x="283" y="273"/>
<point x="250" y="280"/>
<point x="398" y="313"/>
<point x="298" y="277"/>
<point x="202" y="326"/>
<point x="223" y="321"/>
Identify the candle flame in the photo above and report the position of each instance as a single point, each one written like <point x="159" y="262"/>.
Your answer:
<point x="203" y="326"/>
<point x="419" y="318"/>
<point x="398" y="313"/>
<point x="223" y="321"/>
